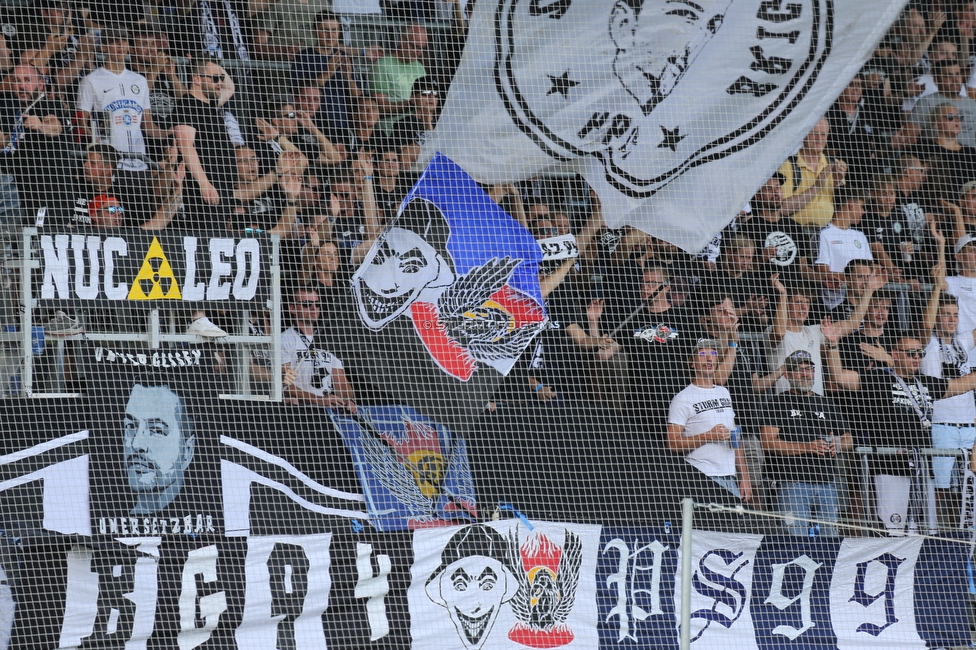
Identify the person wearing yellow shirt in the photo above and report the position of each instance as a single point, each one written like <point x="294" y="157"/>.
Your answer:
<point x="810" y="178"/>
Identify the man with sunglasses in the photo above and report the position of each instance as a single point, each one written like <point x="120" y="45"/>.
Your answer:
<point x="321" y="380"/>
<point x="802" y="434"/>
<point x="99" y="203"/>
<point x="898" y="412"/>
<point x="701" y="423"/>
<point x="201" y="133"/>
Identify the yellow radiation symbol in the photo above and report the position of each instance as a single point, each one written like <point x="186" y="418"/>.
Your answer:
<point x="155" y="279"/>
<point x="427" y="468"/>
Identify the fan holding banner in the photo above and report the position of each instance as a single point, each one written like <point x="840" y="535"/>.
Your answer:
<point x="451" y="289"/>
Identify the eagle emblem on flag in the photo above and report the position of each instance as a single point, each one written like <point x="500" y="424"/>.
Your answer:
<point x="466" y="316"/>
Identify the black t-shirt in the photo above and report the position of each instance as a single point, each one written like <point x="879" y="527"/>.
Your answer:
<point x="948" y="171"/>
<point x="851" y="356"/>
<point x="852" y="139"/>
<point x="408" y="131"/>
<point x="264" y="211"/>
<point x="657" y="347"/>
<point x="135" y="205"/>
<point x="36" y="161"/>
<point x="389" y="202"/>
<point x="741" y="289"/>
<point x="788" y="238"/>
<point x="889" y="418"/>
<point x="213" y="146"/>
<point x="350" y="232"/>
<point x="906" y="223"/>
<point x="354" y="144"/>
<point x="306" y="142"/>
<point x="562" y="361"/>
<point x="801" y="419"/>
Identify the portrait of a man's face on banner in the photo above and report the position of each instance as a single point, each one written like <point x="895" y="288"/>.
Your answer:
<point x="154" y="471"/>
<point x="158" y="443"/>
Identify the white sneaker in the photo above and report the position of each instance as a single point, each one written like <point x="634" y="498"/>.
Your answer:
<point x="203" y="326"/>
<point x="63" y="325"/>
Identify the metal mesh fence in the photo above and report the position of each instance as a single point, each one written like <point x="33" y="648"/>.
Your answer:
<point x="495" y="324"/>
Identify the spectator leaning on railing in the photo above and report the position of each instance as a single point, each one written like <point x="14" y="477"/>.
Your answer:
<point x="802" y="432"/>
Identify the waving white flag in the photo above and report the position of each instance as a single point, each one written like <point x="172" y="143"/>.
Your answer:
<point x="675" y="111"/>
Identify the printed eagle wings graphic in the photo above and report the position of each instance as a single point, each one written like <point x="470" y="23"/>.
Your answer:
<point x="532" y="606"/>
<point x="396" y="477"/>
<point x="485" y="330"/>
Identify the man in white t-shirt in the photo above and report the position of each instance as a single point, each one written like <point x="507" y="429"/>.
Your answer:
<point x="949" y="354"/>
<point x="700" y="426"/>
<point x="963" y="286"/>
<point x="840" y="241"/>
<point x="114" y="102"/>
<point x="321" y="380"/>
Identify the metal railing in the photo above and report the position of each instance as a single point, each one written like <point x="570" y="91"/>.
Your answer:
<point x="21" y="333"/>
<point x="924" y="507"/>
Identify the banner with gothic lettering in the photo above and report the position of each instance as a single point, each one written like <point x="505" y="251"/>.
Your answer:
<point x="750" y="591"/>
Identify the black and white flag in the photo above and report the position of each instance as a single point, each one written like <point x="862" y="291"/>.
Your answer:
<point x="675" y="111"/>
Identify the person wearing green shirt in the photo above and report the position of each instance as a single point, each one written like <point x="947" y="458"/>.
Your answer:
<point x="393" y="76"/>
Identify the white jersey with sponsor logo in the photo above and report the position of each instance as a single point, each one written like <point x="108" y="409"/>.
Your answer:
<point x="117" y="103"/>
<point x="838" y="247"/>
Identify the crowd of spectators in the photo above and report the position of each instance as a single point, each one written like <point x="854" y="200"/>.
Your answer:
<point x="836" y="309"/>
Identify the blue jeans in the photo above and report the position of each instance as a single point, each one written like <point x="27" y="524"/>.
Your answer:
<point x="800" y="502"/>
<point x="945" y="436"/>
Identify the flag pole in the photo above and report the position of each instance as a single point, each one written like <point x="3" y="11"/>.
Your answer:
<point x="687" y="513"/>
<point x="638" y="310"/>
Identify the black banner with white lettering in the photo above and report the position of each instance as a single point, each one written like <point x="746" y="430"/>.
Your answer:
<point x="133" y="266"/>
<point x="268" y="544"/>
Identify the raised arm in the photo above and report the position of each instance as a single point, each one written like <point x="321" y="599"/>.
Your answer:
<point x="328" y="155"/>
<point x="932" y="308"/>
<point x="371" y="213"/>
<point x="781" y="317"/>
<point x="549" y="283"/>
<point x="797" y="202"/>
<point x="841" y="377"/>
<point x="164" y="215"/>
<point x="845" y="327"/>
<point x="730" y="348"/>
